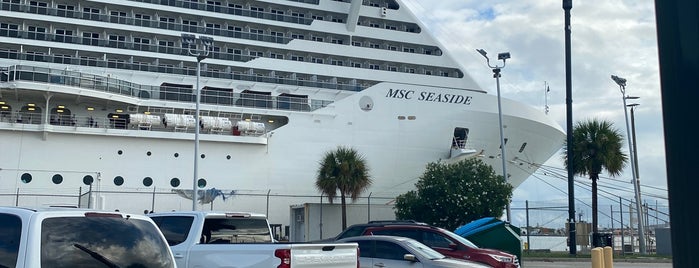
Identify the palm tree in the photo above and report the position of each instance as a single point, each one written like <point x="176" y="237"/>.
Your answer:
<point x="343" y="169"/>
<point x="596" y="146"/>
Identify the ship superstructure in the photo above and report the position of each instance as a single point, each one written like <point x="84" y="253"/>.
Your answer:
<point x="100" y="96"/>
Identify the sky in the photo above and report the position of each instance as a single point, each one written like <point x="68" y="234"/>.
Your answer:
<point x="608" y="37"/>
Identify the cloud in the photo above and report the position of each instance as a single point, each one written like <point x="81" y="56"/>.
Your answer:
<point x="607" y="37"/>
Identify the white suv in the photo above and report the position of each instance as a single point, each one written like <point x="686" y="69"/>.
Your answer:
<point x="71" y="237"/>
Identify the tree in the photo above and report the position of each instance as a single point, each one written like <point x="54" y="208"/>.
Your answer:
<point x="596" y="146"/>
<point x="346" y="171"/>
<point x="451" y="195"/>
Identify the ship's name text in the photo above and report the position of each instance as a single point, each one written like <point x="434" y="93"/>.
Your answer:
<point x="428" y="96"/>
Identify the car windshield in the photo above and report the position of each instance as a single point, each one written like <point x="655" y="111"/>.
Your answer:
<point x="425" y="250"/>
<point x="460" y="238"/>
<point x="102" y="242"/>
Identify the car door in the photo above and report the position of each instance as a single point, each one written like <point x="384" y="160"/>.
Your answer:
<point x="176" y="230"/>
<point x="391" y="255"/>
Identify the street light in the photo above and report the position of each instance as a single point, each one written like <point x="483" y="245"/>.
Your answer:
<point x="496" y="74"/>
<point x="641" y="234"/>
<point x="193" y="49"/>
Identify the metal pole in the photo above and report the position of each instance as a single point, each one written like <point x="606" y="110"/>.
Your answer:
<point x="529" y="244"/>
<point x="642" y="240"/>
<point x="611" y="213"/>
<point x="267" y="213"/>
<point x="196" y="142"/>
<point x="368" y="210"/>
<point x="496" y="74"/>
<point x="621" y="219"/>
<point x="152" y="202"/>
<point x="567" y="6"/>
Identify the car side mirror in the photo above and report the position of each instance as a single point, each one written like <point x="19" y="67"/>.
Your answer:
<point x="410" y="257"/>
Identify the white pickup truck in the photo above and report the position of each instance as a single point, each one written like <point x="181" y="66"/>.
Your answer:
<point x="223" y="239"/>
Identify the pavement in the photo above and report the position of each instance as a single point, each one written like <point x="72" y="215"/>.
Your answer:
<point x="587" y="263"/>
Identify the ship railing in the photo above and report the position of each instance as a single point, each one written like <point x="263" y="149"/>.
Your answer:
<point x="118" y="121"/>
<point x="166" y="92"/>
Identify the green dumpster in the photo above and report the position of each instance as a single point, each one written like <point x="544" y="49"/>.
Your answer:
<point x="494" y="234"/>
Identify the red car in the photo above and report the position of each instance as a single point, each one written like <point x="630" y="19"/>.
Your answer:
<point x="447" y="243"/>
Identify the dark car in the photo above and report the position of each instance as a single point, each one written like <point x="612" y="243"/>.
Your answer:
<point x="441" y="240"/>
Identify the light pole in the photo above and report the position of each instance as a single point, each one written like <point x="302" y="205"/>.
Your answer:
<point x="637" y="192"/>
<point x="193" y="49"/>
<point x="496" y="74"/>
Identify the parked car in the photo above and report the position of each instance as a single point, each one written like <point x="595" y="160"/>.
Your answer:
<point x="441" y="240"/>
<point x="396" y="252"/>
<point x="72" y="237"/>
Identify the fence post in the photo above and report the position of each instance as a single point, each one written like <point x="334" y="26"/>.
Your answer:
<point x="529" y="244"/>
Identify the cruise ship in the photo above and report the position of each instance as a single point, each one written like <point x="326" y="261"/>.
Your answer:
<point x="116" y="104"/>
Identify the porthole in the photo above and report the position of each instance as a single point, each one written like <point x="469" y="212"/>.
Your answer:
<point x="120" y="152"/>
<point x="203" y="156"/>
<point x="118" y="180"/>
<point x="148" y="153"/>
<point x="57" y="179"/>
<point x="26" y="178"/>
<point x="87" y="180"/>
<point x="228" y="157"/>
<point x="174" y="182"/>
<point x="147" y="181"/>
<point x="201" y="183"/>
<point x="177" y="155"/>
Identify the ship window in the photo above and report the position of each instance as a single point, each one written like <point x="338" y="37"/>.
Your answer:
<point x="148" y="153"/>
<point x="35" y="32"/>
<point x="63" y="35"/>
<point x="228" y="157"/>
<point x="120" y="152"/>
<point x="91" y="13"/>
<point x="91" y="38"/>
<point x="11" y="30"/>
<point x="258" y="99"/>
<point x="57" y="179"/>
<point x="147" y="181"/>
<point x="26" y="178"/>
<point x="174" y="182"/>
<point x="177" y="155"/>
<point x="201" y="183"/>
<point x="203" y="156"/>
<point x="37" y="7"/>
<point x="521" y="149"/>
<point x="286" y="101"/>
<point x="64" y="10"/>
<point x="460" y="137"/>
<point x="118" y="180"/>
<point x="87" y="180"/>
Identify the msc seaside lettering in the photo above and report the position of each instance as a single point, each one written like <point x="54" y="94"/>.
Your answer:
<point x="428" y="96"/>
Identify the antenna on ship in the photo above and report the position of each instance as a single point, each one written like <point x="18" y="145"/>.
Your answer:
<point x="546" y="97"/>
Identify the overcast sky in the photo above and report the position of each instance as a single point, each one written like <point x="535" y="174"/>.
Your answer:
<point x="608" y="37"/>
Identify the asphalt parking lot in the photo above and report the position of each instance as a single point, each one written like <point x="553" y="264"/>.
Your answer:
<point x="588" y="264"/>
